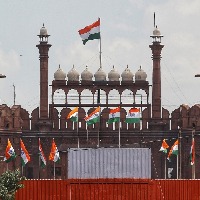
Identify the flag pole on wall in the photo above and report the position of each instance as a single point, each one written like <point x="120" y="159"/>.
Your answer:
<point x="77" y="131"/>
<point x="119" y="128"/>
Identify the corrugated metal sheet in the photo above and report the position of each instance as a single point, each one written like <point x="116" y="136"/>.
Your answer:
<point x="109" y="163"/>
<point x="109" y="189"/>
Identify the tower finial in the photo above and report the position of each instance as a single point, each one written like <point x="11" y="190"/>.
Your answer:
<point x="154" y="19"/>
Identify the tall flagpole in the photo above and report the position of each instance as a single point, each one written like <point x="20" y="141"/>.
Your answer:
<point x="39" y="167"/>
<point x="99" y="126"/>
<point x="22" y="170"/>
<point x="119" y="127"/>
<point x="177" y="166"/>
<point x="165" y="165"/>
<point x="39" y="158"/>
<point x="99" y="89"/>
<point x="179" y="152"/>
<point x="54" y="171"/>
<point x="87" y="131"/>
<point x="77" y="130"/>
<point x="100" y="48"/>
<point x="193" y="166"/>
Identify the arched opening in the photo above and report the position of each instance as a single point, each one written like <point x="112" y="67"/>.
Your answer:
<point x="59" y="97"/>
<point x="100" y="97"/>
<point x="86" y="97"/>
<point x="141" y="97"/>
<point x="114" y="97"/>
<point x="127" y="97"/>
<point x="72" y="97"/>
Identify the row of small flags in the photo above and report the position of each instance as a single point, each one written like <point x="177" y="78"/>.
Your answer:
<point x="174" y="150"/>
<point x="25" y="157"/>
<point x="55" y="157"/>
<point x="133" y="116"/>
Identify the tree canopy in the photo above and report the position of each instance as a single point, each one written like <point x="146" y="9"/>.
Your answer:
<point x="10" y="182"/>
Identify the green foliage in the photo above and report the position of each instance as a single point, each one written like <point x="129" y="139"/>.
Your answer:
<point x="10" y="182"/>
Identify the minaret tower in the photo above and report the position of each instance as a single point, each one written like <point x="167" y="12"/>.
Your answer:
<point x="156" y="48"/>
<point x="43" y="46"/>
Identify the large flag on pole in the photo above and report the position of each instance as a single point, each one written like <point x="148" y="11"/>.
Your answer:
<point x="42" y="158"/>
<point x="90" y="32"/>
<point x="173" y="150"/>
<point x="114" y="115"/>
<point x="73" y="115"/>
<point x="133" y="116"/>
<point x="93" y="117"/>
<point x="9" y="153"/>
<point x="164" y="146"/>
<point x="54" y="154"/>
<point x="25" y="157"/>
<point x="192" y="153"/>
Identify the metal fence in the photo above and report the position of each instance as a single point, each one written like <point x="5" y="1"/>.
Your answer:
<point x="109" y="189"/>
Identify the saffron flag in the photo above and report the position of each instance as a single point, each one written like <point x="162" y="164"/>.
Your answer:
<point x="192" y="153"/>
<point x="133" y="116"/>
<point x="9" y="153"/>
<point x="93" y="117"/>
<point x="90" y="32"/>
<point x="54" y="154"/>
<point x="73" y="115"/>
<point x="164" y="146"/>
<point x="42" y="158"/>
<point x="25" y="157"/>
<point x="114" y="115"/>
<point x="173" y="150"/>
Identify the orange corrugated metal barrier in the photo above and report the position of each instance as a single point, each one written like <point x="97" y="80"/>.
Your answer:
<point x="109" y="189"/>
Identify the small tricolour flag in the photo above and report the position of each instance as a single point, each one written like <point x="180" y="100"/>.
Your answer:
<point x="9" y="153"/>
<point x="90" y="32"/>
<point x="133" y="116"/>
<point x="73" y="115"/>
<point x="25" y="157"/>
<point x="93" y="117"/>
<point x="114" y="115"/>
<point x="164" y="146"/>
<point x="42" y="158"/>
<point x="192" y="153"/>
<point x="54" y="154"/>
<point x="173" y="150"/>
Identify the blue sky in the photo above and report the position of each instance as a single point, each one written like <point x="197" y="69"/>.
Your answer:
<point x="125" y="29"/>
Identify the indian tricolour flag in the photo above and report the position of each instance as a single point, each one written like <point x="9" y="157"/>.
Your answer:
<point x="133" y="116"/>
<point x="42" y="158"/>
<point x="93" y="117"/>
<point x="114" y="115"/>
<point x="73" y="115"/>
<point x="90" y="32"/>
<point x="9" y="153"/>
<point x="54" y="154"/>
<point x="173" y="150"/>
<point x="25" y="157"/>
<point x="192" y="153"/>
<point x="164" y="146"/>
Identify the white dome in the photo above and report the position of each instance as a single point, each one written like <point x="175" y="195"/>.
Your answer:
<point x="59" y="75"/>
<point x="43" y="31"/>
<point x="73" y="75"/>
<point x="113" y="75"/>
<point x="86" y="75"/>
<point x="127" y="75"/>
<point x="100" y="75"/>
<point x="156" y="32"/>
<point x="140" y="75"/>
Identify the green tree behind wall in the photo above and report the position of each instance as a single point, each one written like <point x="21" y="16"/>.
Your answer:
<point x="10" y="182"/>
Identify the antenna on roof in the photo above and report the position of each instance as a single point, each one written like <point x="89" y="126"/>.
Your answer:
<point x="154" y="19"/>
